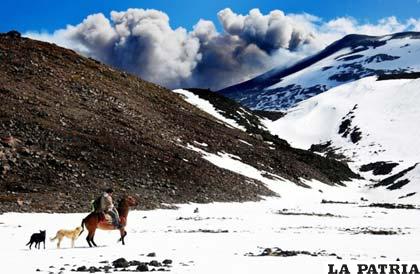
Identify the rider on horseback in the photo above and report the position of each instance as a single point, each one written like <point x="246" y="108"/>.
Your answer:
<point x="92" y="222"/>
<point x="107" y="207"/>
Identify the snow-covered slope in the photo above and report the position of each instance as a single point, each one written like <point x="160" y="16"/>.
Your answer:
<point x="220" y="237"/>
<point x="207" y="107"/>
<point x="311" y="227"/>
<point x="346" y="60"/>
<point x="368" y="122"/>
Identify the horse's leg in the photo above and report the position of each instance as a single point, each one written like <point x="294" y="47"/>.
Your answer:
<point x="92" y="234"/>
<point x="44" y="244"/>
<point x="72" y="242"/>
<point x="93" y="242"/>
<point x="88" y="241"/>
<point x="123" y="233"/>
<point x="90" y="224"/>
<point x="90" y="237"/>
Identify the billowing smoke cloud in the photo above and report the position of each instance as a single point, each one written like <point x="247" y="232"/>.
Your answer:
<point x="268" y="32"/>
<point x="248" y="46"/>
<point x="140" y="41"/>
<point x="143" y="42"/>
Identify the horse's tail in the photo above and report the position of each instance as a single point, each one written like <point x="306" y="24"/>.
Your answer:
<point x="83" y="226"/>
<point x="54" y="238"/>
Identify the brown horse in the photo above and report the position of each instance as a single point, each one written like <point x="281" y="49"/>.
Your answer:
<point x="93" y="220"/>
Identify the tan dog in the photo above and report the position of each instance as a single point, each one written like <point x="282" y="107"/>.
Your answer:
<point x="71" y="234"/>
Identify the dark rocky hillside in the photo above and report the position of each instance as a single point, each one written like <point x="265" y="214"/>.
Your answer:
<point x="71" y="126"/>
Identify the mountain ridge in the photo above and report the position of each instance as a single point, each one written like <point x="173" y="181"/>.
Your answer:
<point x="271" y="91"/>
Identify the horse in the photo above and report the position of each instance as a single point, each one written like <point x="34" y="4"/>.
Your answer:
<point x="93" y="221"/>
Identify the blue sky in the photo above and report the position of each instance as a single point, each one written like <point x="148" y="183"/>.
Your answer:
<point x="215" y="53"/>
<point x="49" y="15"/>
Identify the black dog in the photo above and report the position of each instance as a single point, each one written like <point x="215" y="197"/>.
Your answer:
<point x="37" y="238"/>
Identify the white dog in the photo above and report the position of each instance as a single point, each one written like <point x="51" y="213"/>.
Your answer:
<point x="71" y="234"/>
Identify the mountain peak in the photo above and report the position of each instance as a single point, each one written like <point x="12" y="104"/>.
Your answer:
<point x="350" y="58"/>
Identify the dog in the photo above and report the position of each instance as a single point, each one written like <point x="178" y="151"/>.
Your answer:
<point x="71" y="234"/>
<point x="37" y="238"/>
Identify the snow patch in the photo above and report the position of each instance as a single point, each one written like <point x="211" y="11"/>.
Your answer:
<point x="206" y="106"/>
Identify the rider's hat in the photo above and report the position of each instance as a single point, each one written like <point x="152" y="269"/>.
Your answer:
<point x="109" y="190"/>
